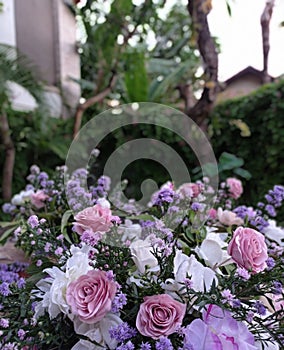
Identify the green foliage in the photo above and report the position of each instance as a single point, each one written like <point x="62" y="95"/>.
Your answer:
<point x="135" y="76"/>
<point x="45" y="143"/>
<point x="228" y="164"/>
<point x="252" y="127"/>
<point x="117" y="39"/>
<point x="15" y="67"/>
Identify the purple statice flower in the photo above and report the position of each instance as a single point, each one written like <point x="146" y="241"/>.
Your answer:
<point x="244" y="212"/>
<point x="8" y="208"/>
<point x="228" y="297"/>
<point x="4" y="289"/>
<point x="188" y="283"/>
<point x="173" y="209"/>
<point x="21" y="283"/>
<point x="275" y="196"/>
<point x="33" y="221"/>
<point x="47" y="247"/>
<point x="128" y="346"/>
<point x="259" y="308"/>
<point x="147" y="223"/>
<point x="236" y="303"/>
<point x="17" y="267"/>
<point x="91" y="238"/>
<point x="21" y="334"/>
<point x="122" y="332"/>
<point x="110" y="275"/>
<point x="116" y="220"/>
<point x="58" y="251"/>
<point x="270" y="210"/>
<point x="277" y="287"/>
<point x="39" y="263"/>
<point x="243" y="273"/>
<point x="4" y="322"/>
<point x="34" y="304"/>
<point x="250" y="316"/>
<point x="8" y="276"/>
<point x="145" y="346"/>
<point x="270" y="262"/>
<point x="164" y="344"/>
<point x="42" y="176"/>
<point x="77" y="194"/>
<point x="34" y="169"/>
<point x="164" y="196"/>
<point x="119" y="301"/>
<point x="102" y="188"/>
<point x="196" y="206"/>
<point x="10" y="346"/>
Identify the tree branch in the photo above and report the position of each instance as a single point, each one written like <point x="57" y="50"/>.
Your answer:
<point x="92" y="101"/>
<point x="8" y="168"/>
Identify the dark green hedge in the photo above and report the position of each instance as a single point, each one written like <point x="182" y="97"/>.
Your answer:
<point x="252" y="128"/>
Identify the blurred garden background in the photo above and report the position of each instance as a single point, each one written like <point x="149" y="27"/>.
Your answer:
<point x="63" y="62"/>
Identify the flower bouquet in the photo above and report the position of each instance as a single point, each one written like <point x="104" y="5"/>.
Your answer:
<point x="180" y="274"/>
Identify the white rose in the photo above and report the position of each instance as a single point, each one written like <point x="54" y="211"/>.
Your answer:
<point x="142" y="255"/>
<point x="130" y="231"/>
<point x="98" y="332"/>
<point x="53" y="288"/>
<point x="274" y="232"/>
<point x="189" y="267"/>
<point x="212" y="250"/>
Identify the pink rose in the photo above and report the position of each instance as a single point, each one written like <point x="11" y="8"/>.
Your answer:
<point x="248" y="249"/>
<point x="38" y="198"/>
<point x="228" y="218"/>
<point x="96" y="218"/>
<point x="159" y="315"/>
<point x="235" y="187"/>
<point x="91" y="296"/>
<point x="212" y="213"/>
<point x="189" y="190"/>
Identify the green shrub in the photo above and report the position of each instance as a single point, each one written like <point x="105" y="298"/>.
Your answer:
<point x="252" y="127"/>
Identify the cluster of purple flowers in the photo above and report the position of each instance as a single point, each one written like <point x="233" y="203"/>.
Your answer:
<point x="119" y="301"/>
<point x="77" y="192"/>
<point x="122" y="332"/>
<point x="164" y="196"/>
<point x="10" y="274"/>
<point x="254" y="217"/>
<point x="102" y="188"/>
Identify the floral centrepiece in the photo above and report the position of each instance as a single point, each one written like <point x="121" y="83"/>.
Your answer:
<point x="180" y="274"/>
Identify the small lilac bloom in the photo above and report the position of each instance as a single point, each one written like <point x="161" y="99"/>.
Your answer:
<point x="33" y="221"/>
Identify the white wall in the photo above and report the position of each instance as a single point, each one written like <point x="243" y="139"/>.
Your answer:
<point x="7" y="23"/>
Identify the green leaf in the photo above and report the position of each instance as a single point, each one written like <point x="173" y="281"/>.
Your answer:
<point x="9" y="223"/>
<point x="64" y="222"/>
<point x="173" y="78"/>
<point x="209" y="169"/>
<point x="135" y="77"/>
<point x="243" y="173"/>
<point x="59" y="148"/>
<point x="7" y="233"/>
<point x="228" y="161"/>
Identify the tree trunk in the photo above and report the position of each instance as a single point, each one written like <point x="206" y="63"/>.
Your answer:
<point x="265" y="23"/>
<point x="199" y="10"/>
<point x="8" y="169"/>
